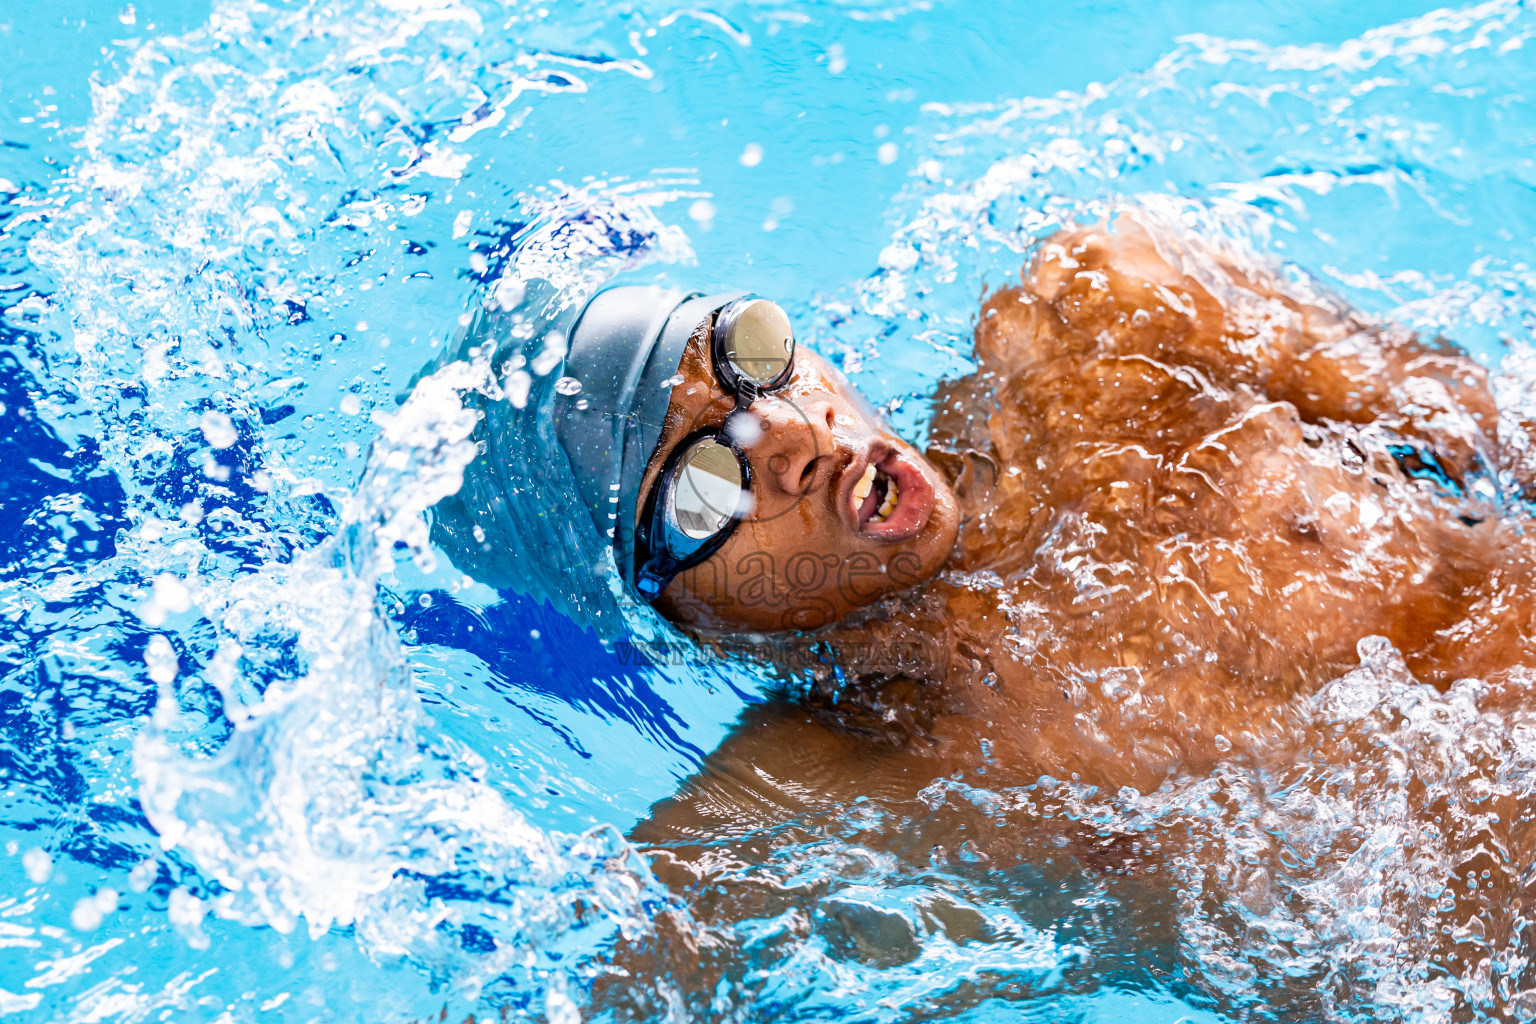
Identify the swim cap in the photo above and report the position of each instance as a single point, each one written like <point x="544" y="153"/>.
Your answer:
<point x="565" y="439"/>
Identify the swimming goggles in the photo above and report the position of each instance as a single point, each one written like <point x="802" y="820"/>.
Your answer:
<point x="705" y="488"/>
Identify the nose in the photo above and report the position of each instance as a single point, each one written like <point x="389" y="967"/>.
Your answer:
<point x="796" y="443"/>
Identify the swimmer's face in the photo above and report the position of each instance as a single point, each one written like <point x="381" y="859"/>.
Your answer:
<point x="843" y="513"/>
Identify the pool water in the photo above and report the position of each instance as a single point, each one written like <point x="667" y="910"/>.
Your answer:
<point x="264" y="755"/>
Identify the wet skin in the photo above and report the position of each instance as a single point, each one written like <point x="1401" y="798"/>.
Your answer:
<point x="809" y="552"/>
<point x="1189" y="489"/>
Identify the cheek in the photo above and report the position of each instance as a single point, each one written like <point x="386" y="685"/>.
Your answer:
<point x="794" y="539"/>
<point x="814" y="565"/>
<point x="784" y="577"/>
<point x="799" y="570"/>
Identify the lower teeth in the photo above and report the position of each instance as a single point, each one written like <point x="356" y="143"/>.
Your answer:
<point x="892" y="495"/>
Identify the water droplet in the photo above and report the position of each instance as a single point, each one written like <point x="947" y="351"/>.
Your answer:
<point x="86" y="915"/>
<point x="751" y="155"/>
<point x="143" y="874"/>
<point x="745" y="431"/>
<point x="567" y="385"/>
<point x="171" y="594"/>
<point x="160" y="657"/>
<point x="38" y="865"/>
<point x="508" y="293"/>
<point x="218" y="429"/>
<point x="519" y="382"/>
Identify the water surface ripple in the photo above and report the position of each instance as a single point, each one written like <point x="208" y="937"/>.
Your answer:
<point x="267" y="756"/>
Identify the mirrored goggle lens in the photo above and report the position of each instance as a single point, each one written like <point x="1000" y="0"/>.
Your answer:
<point x="709" y="490"/>
<point x="761" y="342"/>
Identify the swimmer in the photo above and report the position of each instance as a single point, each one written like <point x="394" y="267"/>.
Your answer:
<point x="1173" y="499"/>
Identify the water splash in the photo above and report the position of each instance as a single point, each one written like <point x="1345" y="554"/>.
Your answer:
<point x="327" y="803"/>
<point x="1287" y="149"/>
<point x="250" y="257"/>
<point x="1367" y="874"/>
<point x="237" y="187"/>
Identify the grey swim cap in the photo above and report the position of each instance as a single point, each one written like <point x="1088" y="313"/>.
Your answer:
<point x="624" y="350"/>
<point x="554" y="490"/>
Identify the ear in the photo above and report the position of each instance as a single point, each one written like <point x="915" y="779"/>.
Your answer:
<point x="960" y="438"/>
<point x="972" y="474"/>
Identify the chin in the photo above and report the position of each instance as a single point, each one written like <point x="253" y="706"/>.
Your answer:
<point x="919" y="559"/>
<point x="937" y="541"/>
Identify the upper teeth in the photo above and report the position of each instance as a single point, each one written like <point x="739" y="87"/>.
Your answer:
<point x="861" y="489"/>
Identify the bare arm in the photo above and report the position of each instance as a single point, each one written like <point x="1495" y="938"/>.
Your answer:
<point x="1137" y="288"/>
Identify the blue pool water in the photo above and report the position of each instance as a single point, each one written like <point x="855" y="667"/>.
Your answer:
<point x="263" y="756"/>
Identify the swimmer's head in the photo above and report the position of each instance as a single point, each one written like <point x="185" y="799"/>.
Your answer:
<point x="736" y="479"/>
<point x="743" y="482"/>
<point x="837" y="511"/>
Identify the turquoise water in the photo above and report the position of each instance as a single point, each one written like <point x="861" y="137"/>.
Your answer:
<point x="265" y="756"/>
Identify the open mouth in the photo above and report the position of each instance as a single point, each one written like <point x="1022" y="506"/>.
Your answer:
<point x="891" y="499"/>
<point x="875" y="496"/>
